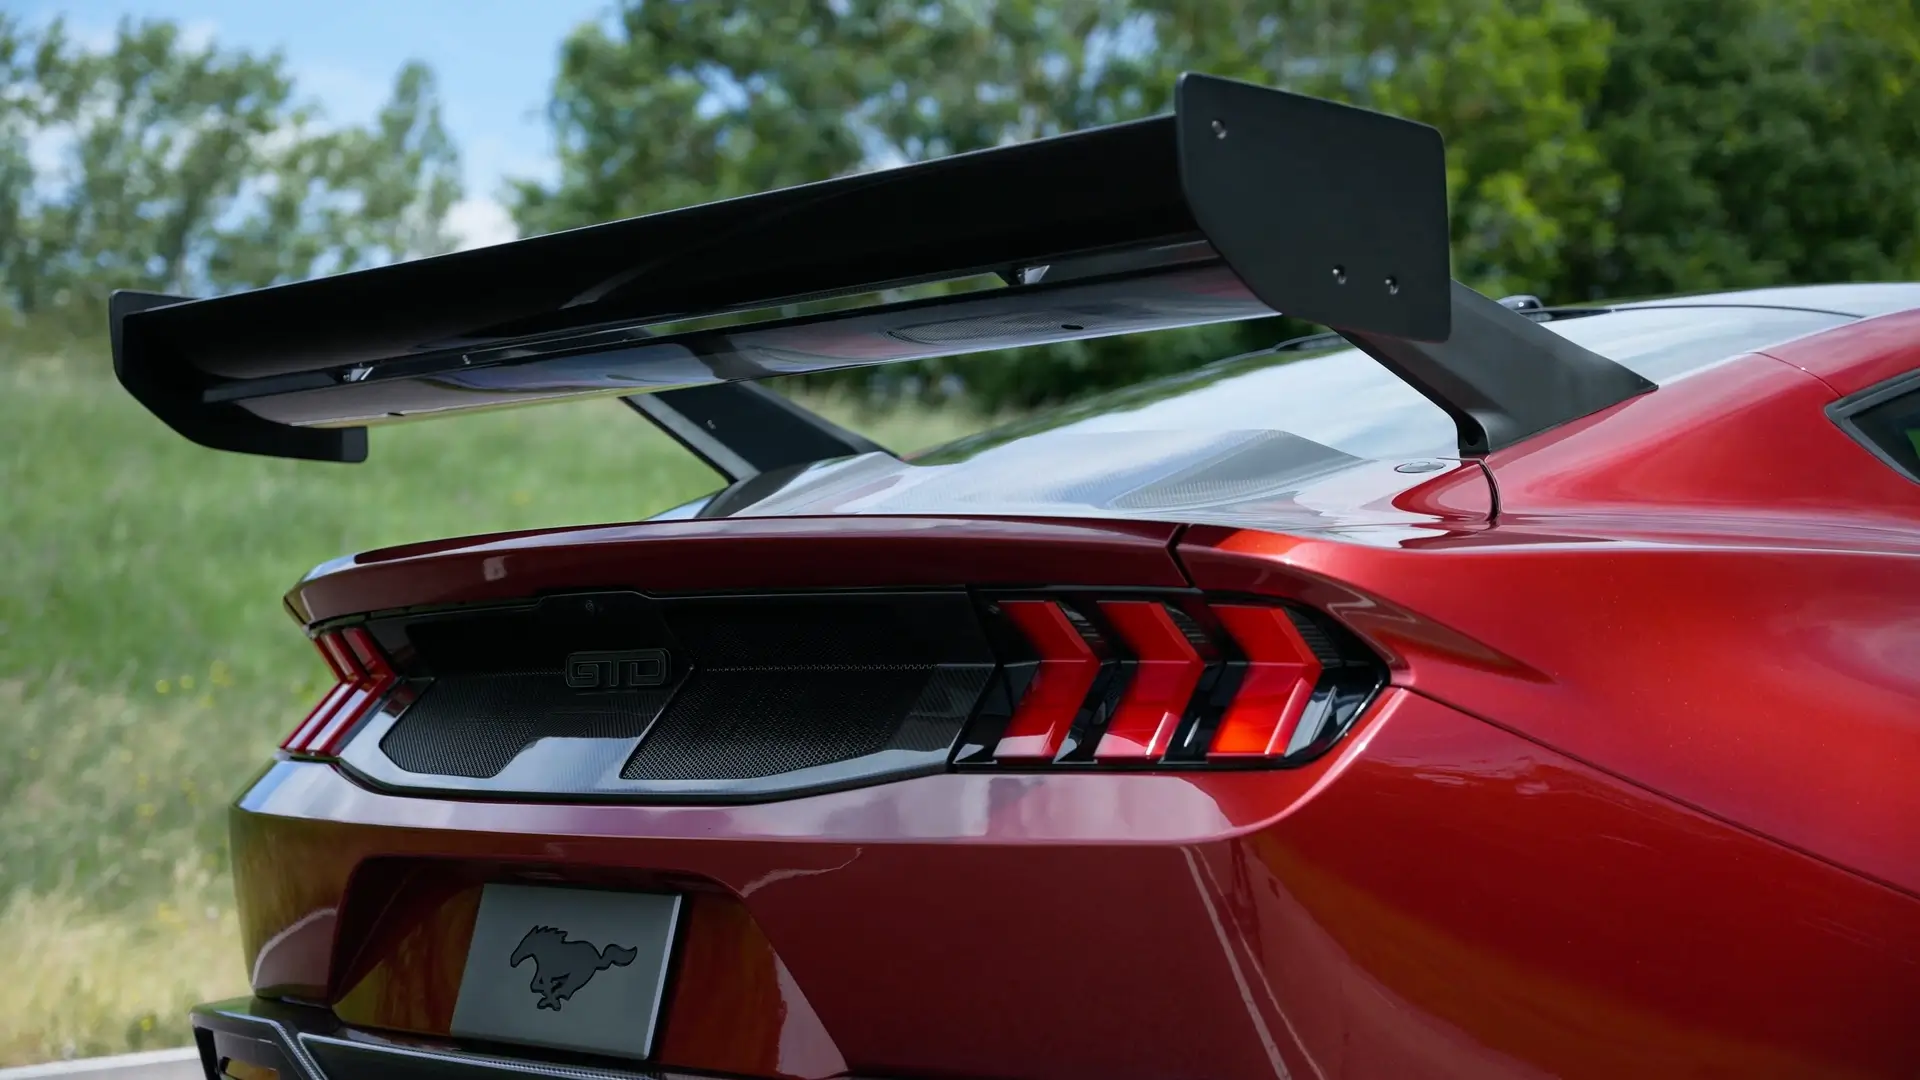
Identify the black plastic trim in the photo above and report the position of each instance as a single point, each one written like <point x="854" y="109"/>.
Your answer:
<point x="1328" y="212"/>
<point x="743" y="429"/>
<point x="1501" y="376"/>
<point x="1245" y="202"/>
<point x="307" y="1042"/>
<point x="1845" y="411"/>
<point x="1219" y="682"/>
<point x="986" y="650"/>
<point x="169" y="386"/>
<point x="939" y="633"/>
<point x="1109" y="684"/>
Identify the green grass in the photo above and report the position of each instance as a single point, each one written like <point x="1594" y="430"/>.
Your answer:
<point x="147" y="667"/>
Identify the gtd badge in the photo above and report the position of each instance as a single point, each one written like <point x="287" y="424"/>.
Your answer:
<point x="631" y="669"/>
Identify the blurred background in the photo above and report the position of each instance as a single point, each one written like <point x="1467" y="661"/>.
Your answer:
<point x="1597" y="148"/>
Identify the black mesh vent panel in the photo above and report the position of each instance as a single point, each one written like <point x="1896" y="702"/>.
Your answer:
<point x="474" y="725"/>
<point x="756" y="686"/>
<point x="944" y="704"/>
<point x="734" y="724"/>
<point x="1315" y="635"/>
<point x="803" y="634"/>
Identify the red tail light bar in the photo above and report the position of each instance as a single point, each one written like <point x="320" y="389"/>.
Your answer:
<point x="1281" y="674"/>
<point x="1062" y="677"/>
<point x="1168" y="672"/>
<point x="363" y="678"/>
<point x="1131" y="681"/>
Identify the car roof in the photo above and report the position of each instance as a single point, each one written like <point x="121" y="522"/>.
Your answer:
<point x="1241" y="439"/>
<point x="1860" y="300"/>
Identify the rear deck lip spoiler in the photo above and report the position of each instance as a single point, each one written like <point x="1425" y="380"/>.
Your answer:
<point x="1244" y="202"/>
<point x="735" y="554"/>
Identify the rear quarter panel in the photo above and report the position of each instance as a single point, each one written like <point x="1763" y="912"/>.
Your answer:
<point x="1709" y="590"/>
<point x="1439" y="899"/>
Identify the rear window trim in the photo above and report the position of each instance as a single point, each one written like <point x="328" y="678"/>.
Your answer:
<point x="1845" y="411"/>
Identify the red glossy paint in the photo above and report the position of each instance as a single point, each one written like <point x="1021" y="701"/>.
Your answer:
<point x="406" y="975"/>
<point x="1741" y="455"/>
<point x="1858" y="355"/>
<point x="1440" y="898"/>
<point x="1708" y="589"/>
<point x="746" y="553"/>
<point x="735" y="1007"/>
<point x="915" y="850"/>
<point x="1640" y="799"/>
<point x="1764" y="686"/>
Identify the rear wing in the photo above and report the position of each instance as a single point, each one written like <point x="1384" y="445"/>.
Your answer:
<point x="1244" y="203"/>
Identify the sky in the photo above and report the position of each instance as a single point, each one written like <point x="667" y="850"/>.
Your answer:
<point x="495" y="60"/>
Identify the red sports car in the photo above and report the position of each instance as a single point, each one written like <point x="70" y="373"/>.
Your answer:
<point x="1482" y="689"/>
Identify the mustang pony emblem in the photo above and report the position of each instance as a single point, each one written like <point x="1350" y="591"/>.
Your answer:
<point x="562" y="967"/>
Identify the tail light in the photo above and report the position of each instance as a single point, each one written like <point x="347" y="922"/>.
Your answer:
<point x="1083" y="680"/>
<point x="1167" y="671"/>
<point x="1161" y="681"/>
<point x="362" y="678"/>
<point x="1275" y="689"/>
<point x="1062" y="676"/>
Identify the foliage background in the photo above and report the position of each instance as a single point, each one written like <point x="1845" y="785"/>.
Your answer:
<point x="1596" y="148"/>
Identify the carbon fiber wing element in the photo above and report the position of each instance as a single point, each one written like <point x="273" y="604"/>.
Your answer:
<point x="1245" y="202"/>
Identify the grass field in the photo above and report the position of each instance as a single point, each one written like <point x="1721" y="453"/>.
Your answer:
<point x="147" y="668"/>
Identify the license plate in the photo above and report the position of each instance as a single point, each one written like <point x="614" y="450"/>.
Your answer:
<point x="569" y="969"/>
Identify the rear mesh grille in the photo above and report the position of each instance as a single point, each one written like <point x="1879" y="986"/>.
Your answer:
<point x="742" y="697"/>
<point x="474" y="725"/>
<point x="801" y="635"/>
<point x="754" y="687"/>
<point x="741" y="724"/>
<point x="942" y="709"/>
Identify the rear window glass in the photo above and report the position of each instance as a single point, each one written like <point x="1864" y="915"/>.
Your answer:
<point x="1342" y="399"/>
<point x="1665" y="343"/>
<point x="1890" y="426"/>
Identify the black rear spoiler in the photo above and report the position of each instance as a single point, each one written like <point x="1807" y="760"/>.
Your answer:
<point x="1244" y="203"/>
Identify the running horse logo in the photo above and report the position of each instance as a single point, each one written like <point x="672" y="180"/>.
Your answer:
<point x="562" y="967"/>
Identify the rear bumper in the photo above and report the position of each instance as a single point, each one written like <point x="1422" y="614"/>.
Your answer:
<point x="963" y="924"/>
<point x="1437" y="898"/>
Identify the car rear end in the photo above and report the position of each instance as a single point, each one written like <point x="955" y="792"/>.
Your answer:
<point x="916" y="787"/>
<point x="990" y="798"/>
<point x="1112" y="750"/>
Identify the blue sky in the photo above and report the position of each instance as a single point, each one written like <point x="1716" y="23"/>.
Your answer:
<point x="495" y="60"/>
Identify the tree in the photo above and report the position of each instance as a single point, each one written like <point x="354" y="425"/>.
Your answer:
<point x="679" y="103"/>
<point x="1506" y="83"/>
<point x="191" y="168"/>
<point x="1756" y="142"/>
<point x="684" y="102"/>
<point x="1595" y="147"/>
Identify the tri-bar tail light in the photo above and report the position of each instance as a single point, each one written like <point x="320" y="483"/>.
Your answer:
<point x="362" y="678"/>
<point x="1082" y="680"/>
<point x="1180" y="681"/>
